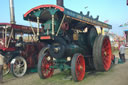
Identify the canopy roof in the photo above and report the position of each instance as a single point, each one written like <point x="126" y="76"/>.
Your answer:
<point x="17" y="28"/>
<point x="40" y="11"/>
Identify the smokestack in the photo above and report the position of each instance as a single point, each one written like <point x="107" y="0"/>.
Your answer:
<point x="60" y="3"/>
<point x="12" y="15"/>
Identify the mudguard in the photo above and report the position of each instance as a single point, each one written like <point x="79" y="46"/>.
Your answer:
<point x="12" y="56"/>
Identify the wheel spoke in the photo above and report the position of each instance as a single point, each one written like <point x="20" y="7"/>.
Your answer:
<point x="22" y="65"/>
<point x="16" y="71"/>
<point x="80" y="68"/>
<point x="106" y="53"/>
<point x="46" y="70"/>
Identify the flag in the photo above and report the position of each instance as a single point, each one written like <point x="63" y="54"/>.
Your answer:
<point x="126" y="24"/>
<point x="106" y="21"/>
<point x="121" y="26"/>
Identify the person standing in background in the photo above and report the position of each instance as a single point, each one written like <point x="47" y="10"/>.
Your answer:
<point x="1" y="67"/>
<point x="122" y="52"/>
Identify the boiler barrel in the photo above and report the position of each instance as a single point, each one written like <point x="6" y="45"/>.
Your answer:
<point x="71" y="49"/>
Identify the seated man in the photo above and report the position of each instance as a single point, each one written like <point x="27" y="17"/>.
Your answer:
<point x="20" y="39"/>
<point x="20" y="42"/>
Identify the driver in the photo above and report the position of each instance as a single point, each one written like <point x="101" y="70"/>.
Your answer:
<point x="20" y="42"/>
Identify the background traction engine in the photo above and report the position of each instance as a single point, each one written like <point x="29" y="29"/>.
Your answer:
<point x="73" y="42"/>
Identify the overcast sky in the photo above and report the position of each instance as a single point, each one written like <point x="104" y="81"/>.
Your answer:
<point x="115" y="11"/>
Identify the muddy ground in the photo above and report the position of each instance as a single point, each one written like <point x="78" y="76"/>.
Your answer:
<point x="117" y="75"/>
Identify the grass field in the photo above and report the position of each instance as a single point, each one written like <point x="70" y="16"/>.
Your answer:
<point x="60" y="78"/>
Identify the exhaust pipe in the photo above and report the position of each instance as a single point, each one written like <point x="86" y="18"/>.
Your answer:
<point x="12" y="15"/>
<point x="60" y="3"/>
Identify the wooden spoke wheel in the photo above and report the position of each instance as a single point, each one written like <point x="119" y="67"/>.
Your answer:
<point x="44" y="64"/>
<point x="78" y="67"/>
<point x="102" y="53"/>
<point x="18" y="66"/>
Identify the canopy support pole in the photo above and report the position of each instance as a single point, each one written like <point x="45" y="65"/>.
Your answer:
<point x="38" y="25"/>
<point x="60" y="25"/>
<point x="101" y="30"/>
<point x="11" y="35"/>
<point x="5" y="37"/>
<point x="33" y="30"/>
<point x="53" y="25"/>
<point x="3" y="33"/>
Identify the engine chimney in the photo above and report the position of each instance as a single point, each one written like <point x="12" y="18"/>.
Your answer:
<point x="60" y="3"/>
<point x="12" y="15"/>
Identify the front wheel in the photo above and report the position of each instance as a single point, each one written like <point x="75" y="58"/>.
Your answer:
<point x="45" y="64"/>
<point x="78" y="67"/>
<point x="18" y="66"/>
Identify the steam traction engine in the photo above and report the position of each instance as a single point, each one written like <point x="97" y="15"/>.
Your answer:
<point x="18" y="55"/>
<point x="73" y="42"/>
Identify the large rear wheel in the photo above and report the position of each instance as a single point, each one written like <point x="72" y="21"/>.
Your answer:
<point x="78" y="67"/>
<point x="102" y="53"/>
<point x="44" y="64"/>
